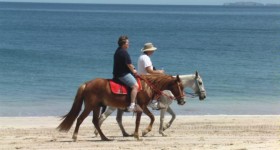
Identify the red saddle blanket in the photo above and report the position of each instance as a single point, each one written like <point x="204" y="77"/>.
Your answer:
<point x="117" y="88"/>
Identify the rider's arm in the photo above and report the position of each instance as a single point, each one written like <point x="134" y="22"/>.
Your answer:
<point x="150" y="70"/>
<point x="132" y="68"/>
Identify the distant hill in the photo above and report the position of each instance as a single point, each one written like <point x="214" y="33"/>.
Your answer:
<point x="244" y="4"/>
<point x="249" y="4"/>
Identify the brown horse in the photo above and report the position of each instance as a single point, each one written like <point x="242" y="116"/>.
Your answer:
<point x="97" y="93"/>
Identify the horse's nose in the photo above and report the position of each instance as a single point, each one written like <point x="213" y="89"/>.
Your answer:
<point x="202" y="97"/>
<point x="181" y="102"/>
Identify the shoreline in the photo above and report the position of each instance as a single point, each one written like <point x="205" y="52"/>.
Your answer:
<point x="186" y="132"/>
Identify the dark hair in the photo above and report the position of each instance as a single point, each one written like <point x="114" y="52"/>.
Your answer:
<point x="122" y="40"/>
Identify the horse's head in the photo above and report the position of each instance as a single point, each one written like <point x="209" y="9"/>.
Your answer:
<point x="198" y="87"/>
<point x="176" y="87"/>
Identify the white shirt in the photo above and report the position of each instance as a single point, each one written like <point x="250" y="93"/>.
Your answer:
<point x="144" y="61"/>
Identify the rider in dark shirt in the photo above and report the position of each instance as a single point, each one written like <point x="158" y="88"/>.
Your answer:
<point x="124" y="70"/>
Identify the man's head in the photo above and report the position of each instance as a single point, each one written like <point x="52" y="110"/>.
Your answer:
<point x="123" y="41"/>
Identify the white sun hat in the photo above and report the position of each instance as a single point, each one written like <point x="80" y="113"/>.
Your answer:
<point x="148" y="47"/>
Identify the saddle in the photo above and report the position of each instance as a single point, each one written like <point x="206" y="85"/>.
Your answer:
<point x="118" y="88"/>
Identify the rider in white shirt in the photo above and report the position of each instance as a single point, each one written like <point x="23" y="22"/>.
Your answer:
<point x="145" y="66"/>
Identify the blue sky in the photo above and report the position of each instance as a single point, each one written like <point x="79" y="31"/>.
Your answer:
<point x="176" y="2"/>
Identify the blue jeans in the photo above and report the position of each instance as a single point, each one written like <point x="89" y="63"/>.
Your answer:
<point x="128" y="80"/>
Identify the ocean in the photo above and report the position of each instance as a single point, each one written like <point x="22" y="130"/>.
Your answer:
<point x="47" y="50"/>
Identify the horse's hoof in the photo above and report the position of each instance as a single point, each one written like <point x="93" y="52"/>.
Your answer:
<point x="166" y="126"/>
<point x="145" y="132"/>
<point x="136" y="137"/>
<point x="127" y="135"/>
<point x="163" y="134"/>
<point x="106" y="139"/>
<point x="74" y="137"/>
<point x="95" y="133"/>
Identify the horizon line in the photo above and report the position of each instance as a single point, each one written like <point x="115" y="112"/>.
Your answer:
<point x="111" y="3"/>
<point x="264" y="4"/>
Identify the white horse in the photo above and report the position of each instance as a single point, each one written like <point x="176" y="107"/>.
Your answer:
<point x="193" y="81"/>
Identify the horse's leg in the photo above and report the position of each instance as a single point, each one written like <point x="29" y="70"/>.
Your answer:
<point x="95" y="121"/>
<point x="152" y="118"/>
<point x="162" y="114"/>
<point x="170" y="111"/>
<point x="119" y="120"/>
<point x="80" y="119"/>
<point x="137" y="124"/>
<point x="103" y="116"/>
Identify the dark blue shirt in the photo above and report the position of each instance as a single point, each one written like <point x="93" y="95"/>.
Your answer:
<point x="121" y="60"/>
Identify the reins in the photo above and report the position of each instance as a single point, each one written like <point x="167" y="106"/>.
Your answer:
<point x="159" y="92"/>
<point x="192" y="95"/>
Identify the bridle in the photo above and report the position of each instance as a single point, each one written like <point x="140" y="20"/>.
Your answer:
<point x="182" y="95"/>
<point x="197" y="93"/>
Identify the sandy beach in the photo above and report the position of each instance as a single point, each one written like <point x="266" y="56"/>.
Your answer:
<point x="187" y="132"/>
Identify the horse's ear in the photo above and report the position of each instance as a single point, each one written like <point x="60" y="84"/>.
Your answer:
<point x="178" y="78"/>
<point x="196" y="73"/>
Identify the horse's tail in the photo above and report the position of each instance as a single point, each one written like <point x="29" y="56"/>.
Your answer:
<point x="69" y="118"/>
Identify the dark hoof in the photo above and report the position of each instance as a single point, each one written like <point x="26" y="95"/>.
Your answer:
<point x="106" y="139"/>
<point x="127" y="135"/>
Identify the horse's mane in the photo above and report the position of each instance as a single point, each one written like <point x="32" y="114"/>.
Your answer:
<point x="158" y="80"/>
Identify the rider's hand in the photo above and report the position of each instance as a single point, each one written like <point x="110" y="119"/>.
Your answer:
<point x="135" y="73"/>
